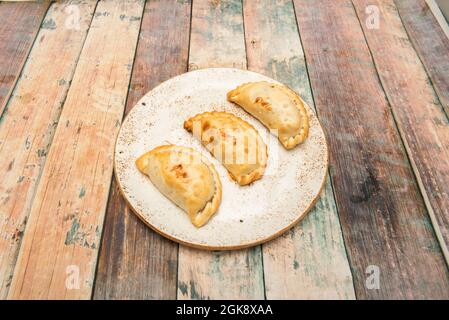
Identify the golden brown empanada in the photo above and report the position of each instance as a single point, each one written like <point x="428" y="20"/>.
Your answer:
<point x="233" y="141"/>
<point x="185" y="177"/>
<point x="277" y="107"/>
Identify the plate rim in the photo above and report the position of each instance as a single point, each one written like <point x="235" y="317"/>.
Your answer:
<point x="300" y="217"/>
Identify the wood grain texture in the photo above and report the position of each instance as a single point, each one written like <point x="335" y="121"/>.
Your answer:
<point x="309" y="261"/>
<point x="19" y="25"/>
<point x="25" y="134"/>
<point x="217" y="40"/>
<point x="382" y="213"/>
<point x="135" y="262"/>
<point x="421" y="120"/>
<point x="430" y="42"/>
<point x="437" y="7"/>
<point x="60" y="244"/>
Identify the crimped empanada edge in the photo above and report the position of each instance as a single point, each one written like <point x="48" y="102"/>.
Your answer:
<point x="292" y="141"/>
<point x="235" y="92"/>
<point x="188" y="124"/>
<point x="243" y="179"/>
<point x="212" y="205"/>
<point x="254" y="175"/>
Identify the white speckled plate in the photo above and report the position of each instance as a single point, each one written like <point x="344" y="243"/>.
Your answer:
<point x="248" y="215"/>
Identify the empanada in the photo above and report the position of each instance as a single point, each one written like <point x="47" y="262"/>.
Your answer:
<point x="185" y="177"/>
<point x="233" y="141"/>
<point x="277" y="107"/>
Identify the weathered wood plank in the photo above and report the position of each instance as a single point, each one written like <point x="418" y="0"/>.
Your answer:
<point x="421" y="120"/>
<point x="214" y="25"/>
<point x="25" y="134"/>
<point x="60" y="244"/>
<point x="19" y="25"/>
<point x="430" y="42"/>
<point x="135" y="262"/>
<point x="309" y="261"/>
<point x="217" y="39"/>
<point x="383" y="216"/>
<point x="437" y="7"/>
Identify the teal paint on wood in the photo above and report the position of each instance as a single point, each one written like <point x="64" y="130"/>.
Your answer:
<point x="421" y="120"/>
<point x="19" y="26"/>
<point x="136" y="262"/>
<point x="217" y="40"/>
<point x="80" y="155"/>
<point x="382" y="214"/>
<point x="29" y="122"/>
<point x="309" y="261"/>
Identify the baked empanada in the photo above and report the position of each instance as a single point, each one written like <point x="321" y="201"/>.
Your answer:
<point x="233" y="141"/>
<point x="277" y="107"/>
<point x="185" y="177"/>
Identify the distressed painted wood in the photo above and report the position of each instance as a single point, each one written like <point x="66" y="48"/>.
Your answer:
<point x="217" y="35"/>
<point x="27" y="129"/>
<point x="135" y="262"/>
<point x="430" y="42"/>
<point x="60" y="244"/>
<point x="19" y="25"/>
<point x="421" y="120"/>
<point x="437" y="10"/>
<point x="383" y="216"/>
<point x="217" y="39"/>
<point x="309" y="261"/>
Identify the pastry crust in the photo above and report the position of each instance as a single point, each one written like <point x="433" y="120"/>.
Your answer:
<point x="185" y="177"/>
<point x="277" y="107"/>
<point x="233" y="141"/>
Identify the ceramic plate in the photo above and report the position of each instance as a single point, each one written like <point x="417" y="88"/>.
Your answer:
<point x="248" y="215"/>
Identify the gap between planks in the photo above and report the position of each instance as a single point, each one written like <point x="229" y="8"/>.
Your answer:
<point x="63" y="232"/>
<point x="420" y="119"/>
<point x="25" y="135"/>
<point x="217" y="40"/>
<point x="309" y="261"/>
<point x="213" y="275"/>
<point x="430" y="42"/>
<point x="135" y="262"/>
<point x="381" y="211"/>
<point x="20" y="25"/>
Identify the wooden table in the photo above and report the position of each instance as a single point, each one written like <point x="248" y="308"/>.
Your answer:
<point x="376" y="72"/>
